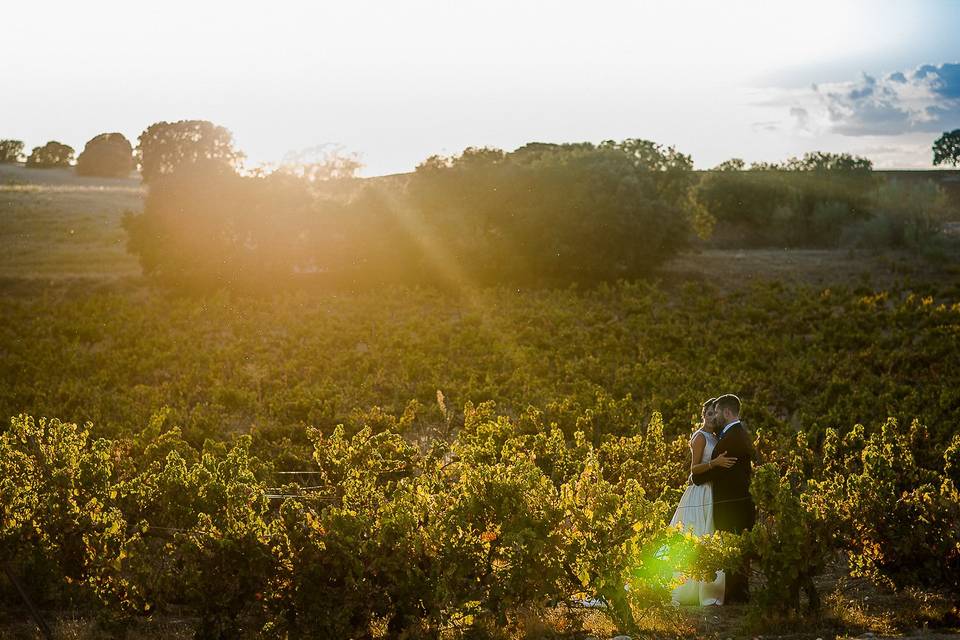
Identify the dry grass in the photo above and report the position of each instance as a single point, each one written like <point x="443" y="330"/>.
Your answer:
<point x="857" y="606"/>
<point x="54" y="224"/>
<point x="86" y="629"/>
<point x="851" y="608"/>
<point x="825" y="268"/>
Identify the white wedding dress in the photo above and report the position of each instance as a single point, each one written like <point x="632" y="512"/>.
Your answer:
<point x="695" y="513"/>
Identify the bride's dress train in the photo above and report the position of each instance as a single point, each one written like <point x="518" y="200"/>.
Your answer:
<point x="695" y="513"/>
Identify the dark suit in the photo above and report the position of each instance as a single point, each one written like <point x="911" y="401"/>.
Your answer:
<point x="733" y="508"/>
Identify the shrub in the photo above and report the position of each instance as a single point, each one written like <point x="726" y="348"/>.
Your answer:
<point x="744" y="199"/>
<point x="561" y="213"/>
<point x="802" y="202"/>
<point x="906" y="215"/>
<point x="207" y="224"/>
<point x="896" y="505"/>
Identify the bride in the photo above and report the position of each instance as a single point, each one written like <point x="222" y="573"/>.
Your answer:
<point x="695" y="511"/>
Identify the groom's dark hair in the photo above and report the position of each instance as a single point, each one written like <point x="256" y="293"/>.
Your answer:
<point x="729" y="401"/>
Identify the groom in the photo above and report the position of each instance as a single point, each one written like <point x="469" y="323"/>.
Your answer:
<point x="733" y="508"/>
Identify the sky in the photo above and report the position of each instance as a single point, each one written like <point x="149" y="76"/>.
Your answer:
<point x="400" y="80"/>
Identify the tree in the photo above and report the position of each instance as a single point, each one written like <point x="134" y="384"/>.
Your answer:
<point x="106" y="155"/>
<point x="164" y="146"/>
<point x="824" y="161"/>
<point x="814" y="161"/>
<point x="559" y="212"/>
<point x="321" y="163"/>
<point x="733" y="164"/>
<point x="10" y="151"/>
<point x="206" y="226"/>
<point x="946" y="148"/>
<point x="52" y="154"/>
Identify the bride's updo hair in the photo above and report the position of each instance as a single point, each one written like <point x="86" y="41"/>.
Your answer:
<point x="703" y="412"/>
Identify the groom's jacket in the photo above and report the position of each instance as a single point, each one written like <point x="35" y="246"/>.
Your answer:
<point x="733" y="508"/>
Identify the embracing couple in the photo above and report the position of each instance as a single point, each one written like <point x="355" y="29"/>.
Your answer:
<point x="718" y="498"/>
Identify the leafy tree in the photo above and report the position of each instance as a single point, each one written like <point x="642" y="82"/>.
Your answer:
<point x="561" y="213"/>
<point x="833" y="162"/>
<point x="10" y="151"/>
<point x="322" y="163"/>
<point x="164" y="146"/>
<point x="52" y="154"/>
<point x="106" y="155"/>
<point x="733" y="164"/>
<point x="946" y="148"/>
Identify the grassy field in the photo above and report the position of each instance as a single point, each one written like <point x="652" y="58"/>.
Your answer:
<point x="54" y="224"/>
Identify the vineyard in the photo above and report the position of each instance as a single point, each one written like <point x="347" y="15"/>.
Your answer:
<point x="463" y="458"/>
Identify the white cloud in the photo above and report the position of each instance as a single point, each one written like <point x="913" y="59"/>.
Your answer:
<point x="909" y="154"/>
<point x="925" y="99"/>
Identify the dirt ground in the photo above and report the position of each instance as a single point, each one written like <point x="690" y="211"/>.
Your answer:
<point x="826" y="268"/>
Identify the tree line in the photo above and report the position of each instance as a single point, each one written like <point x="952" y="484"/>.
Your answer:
<point x="543" y="213"/>
<point x="107" y="155"/>
<point x="161" y="146"/>
<point x="823" y="200"/>
<point x="111" y="154"/>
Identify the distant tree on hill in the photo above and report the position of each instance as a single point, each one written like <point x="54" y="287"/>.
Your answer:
<point x="322" y="163"/>
<point x="52" y="154"/>
<point x="106" y="155"/>
<point x="164" y="146"/>
<point x="832" y="162"/>
<point x="946" y="148"/>
<point x="822" y="161"/>
<point x="11" y="151"/>
<point x="733" y="164"/>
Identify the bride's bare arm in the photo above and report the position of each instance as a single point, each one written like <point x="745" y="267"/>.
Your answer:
<point x="696" y="452"/>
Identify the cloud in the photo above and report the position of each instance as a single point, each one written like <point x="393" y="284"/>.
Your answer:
<point x="909" y="154"/>
<point x="766" y="125"/>
<point x="865" y="90"/>
<point x="945" y="79"/>
<point x="801" y="117"/>
<point x="925" y="99"/>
